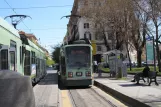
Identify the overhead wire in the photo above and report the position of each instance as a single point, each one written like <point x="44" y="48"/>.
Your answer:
<point x="38" y="7"/>
<point x="48" y="29"/>
<point x="13" y="9"/>
<point x="16" y="14"/>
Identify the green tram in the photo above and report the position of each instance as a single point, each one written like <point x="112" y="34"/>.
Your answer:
<point x="19" y="54"/>
<point x="76" y="64"/>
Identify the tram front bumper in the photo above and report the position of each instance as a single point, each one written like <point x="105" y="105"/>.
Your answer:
<point x="84" y="82"/>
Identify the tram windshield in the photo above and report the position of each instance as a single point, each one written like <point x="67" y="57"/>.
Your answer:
<point x="78" y="56"/>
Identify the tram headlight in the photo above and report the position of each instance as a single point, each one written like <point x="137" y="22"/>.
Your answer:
<point x="70" y="74"/>
<point x="88" y="73"/>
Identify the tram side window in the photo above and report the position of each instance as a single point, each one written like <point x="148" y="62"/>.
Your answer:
<point x="37" y="67"/>
<point x="63" y="65"/>
<point x="20" y="55"/>
<point x="4" y="59"/>
<point x="33" y="57"/>
<point x="27" y="70"/>
<point x="12" y="60"/>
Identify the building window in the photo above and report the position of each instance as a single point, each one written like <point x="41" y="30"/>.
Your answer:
<point x="87" y="35"/>
<point x="99" y="48"/>
<point x="86" y="25"/>
<point x="99" y="37"/>
<point x="110" y="35"/>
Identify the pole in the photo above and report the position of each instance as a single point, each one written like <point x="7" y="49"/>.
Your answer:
<point x="14" y="25"/>
<point x="146" y="54"/>
<point x="154" y="55"/>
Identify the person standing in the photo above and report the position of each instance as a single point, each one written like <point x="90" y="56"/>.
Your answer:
<point x="99" y="70"/>
<point x="95" y="67"/>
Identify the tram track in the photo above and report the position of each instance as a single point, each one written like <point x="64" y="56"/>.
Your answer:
<point x="113" y="105"/>
<point x="88" y="97"/>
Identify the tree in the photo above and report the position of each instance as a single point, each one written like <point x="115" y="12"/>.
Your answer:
<point x="49" y="62"/>
<point x="153" y="9"/>
<point x="56" y="53"/>
<point x="95" y="12"/>
<point x="139" y="29"/>
<point x="111" y="16"/>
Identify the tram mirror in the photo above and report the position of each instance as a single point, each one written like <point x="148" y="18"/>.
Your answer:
<point x="0" y="46"/>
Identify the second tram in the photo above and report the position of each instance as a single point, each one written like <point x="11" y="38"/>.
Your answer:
<point x="76" y="64"/>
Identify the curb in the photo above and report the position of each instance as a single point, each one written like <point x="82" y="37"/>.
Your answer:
<point x="124" y="98"/>
<point x="130" y="73"/>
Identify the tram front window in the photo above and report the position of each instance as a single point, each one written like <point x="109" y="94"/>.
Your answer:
<point x="78" y="56"/>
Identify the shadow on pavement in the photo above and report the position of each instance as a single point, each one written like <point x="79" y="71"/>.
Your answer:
<point x="62" y="87"/>
<point x="49" y="79"/>
<point x="133" y="85"/>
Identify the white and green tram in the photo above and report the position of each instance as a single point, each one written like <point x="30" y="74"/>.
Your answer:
<point x="19" y="54"/>
<point x="76" y="64"/>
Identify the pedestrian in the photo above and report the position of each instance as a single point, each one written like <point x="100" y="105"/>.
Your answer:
<point x="95" y="67"/>
<point x="99" y="70"/>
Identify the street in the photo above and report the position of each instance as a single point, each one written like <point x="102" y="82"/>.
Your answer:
<point x="49" y="94"/>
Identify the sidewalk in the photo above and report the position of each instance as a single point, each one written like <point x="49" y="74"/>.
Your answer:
<point x="46" y="91"/>
<point x="135" y="95"/>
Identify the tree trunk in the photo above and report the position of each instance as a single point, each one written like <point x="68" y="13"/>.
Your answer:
<point x="157" y="49"/>
<point x="106" y="43"/>
<point x="128" y="56"/>
<point x="139" y="52"/>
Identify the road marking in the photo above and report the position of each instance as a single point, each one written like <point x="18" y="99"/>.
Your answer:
<point x="65" y="99"/>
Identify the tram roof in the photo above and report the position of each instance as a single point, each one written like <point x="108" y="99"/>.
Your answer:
<point x="8" y="27"/>
<point x="35" y="46"/>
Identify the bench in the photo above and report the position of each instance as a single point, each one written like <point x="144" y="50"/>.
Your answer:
<point x="151" y="75"/>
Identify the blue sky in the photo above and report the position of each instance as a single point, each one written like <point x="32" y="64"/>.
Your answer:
<point x="44" y="18"/>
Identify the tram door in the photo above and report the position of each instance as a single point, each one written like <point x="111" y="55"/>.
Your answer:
<point x="4" y="59"/>
<point x="12" y="54"/>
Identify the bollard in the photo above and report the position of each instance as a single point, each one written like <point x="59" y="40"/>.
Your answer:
<point x="15" y="90"/>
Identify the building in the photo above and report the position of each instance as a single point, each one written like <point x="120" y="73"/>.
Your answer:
<point x="33" y="38"/>
<point x="81" y="27"/>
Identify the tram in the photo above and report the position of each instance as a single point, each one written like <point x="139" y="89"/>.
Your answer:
<point x="19" y="54"/>
<point x="76" y="64"/>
